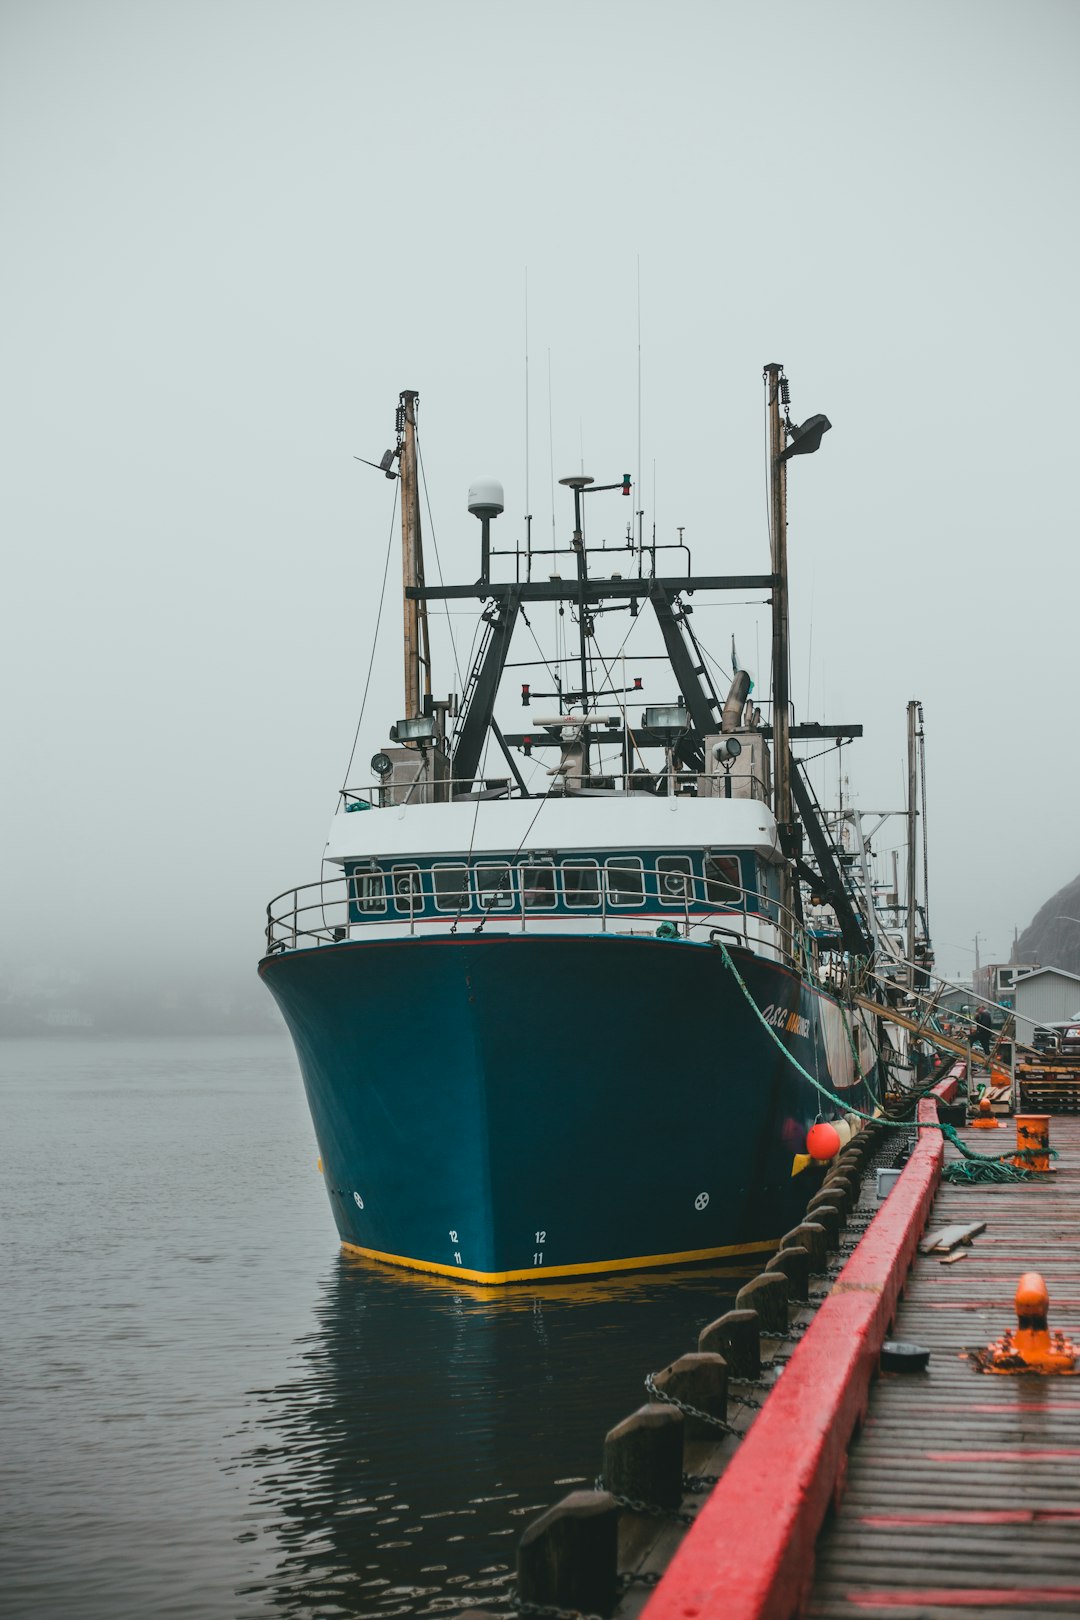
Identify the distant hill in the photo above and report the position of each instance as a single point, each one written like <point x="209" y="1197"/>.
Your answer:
<point x="1051" y="938"/>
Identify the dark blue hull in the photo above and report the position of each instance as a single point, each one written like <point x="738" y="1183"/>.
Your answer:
<point x="521" y="1106"/>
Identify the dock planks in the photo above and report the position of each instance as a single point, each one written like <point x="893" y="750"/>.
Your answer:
<point x="962" y="1493"/>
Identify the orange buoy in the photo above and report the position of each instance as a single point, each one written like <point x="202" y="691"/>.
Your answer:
<point x="1033" y="1142"/>
<point x="822" y="1142"/>
<point x="1031" y="1347"/>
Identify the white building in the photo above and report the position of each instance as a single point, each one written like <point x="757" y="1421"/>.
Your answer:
<point x="1047" y="996"/>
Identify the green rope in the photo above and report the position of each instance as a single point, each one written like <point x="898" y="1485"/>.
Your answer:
<point x="980" y="1167"/>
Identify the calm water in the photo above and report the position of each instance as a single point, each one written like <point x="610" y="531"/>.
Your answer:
<point x="206" y="1411"/>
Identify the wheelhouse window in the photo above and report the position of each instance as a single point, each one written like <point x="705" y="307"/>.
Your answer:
<point x="581" y="883"/>
<point x="768" y="882"/>
<point x="451" y="887"/>
<point x="723" y="880"/>
<point x="494" y="887"/>
<point x="408" y="889"/>
<point x="625" y="881"/>
<point x="369" y="888"/>
<point x="538" y="885"/>
<point x="674" y="879"/>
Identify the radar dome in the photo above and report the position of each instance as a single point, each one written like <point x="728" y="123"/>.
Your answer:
<point x="485" y="497"/>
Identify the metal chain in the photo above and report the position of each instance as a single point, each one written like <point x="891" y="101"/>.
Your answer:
<point x="686" y="1408"/>
<point x="549" y="1609"/>
<point x="700" y="1482"/>
<point x="792" y="1336"/>
<point x="746" y="1400"/>
<point x="636" y="1505"/>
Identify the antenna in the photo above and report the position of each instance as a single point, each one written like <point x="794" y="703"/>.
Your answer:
<point x="528" y="513"/>
<point x="639" y="399"/>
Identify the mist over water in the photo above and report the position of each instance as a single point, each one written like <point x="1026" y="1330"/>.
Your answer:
<point x="236" y="232"/>
<point x="208" y="1412"/>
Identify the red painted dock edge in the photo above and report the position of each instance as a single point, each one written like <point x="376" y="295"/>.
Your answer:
<point x="750" y="1553"/>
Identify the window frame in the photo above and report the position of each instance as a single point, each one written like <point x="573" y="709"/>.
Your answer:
<point x="687" y="866"/>
<point x="504" y="898"/>
<point x="538" y="866"/>
<point x="361" y="902"/>
<point x="625" y="863"/>
<point x="417" y="892"/>
<point x="580" y="863"/>
<point x="464" y="899"/>
<point x="726" y="903"/>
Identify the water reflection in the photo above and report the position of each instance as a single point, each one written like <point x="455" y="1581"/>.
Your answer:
<point x="429" y="1421"/>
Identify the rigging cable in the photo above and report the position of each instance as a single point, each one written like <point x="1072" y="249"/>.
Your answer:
<point x="374" y="639"/>
<point x="472" y="841"/>
<point x="438" y="563"/>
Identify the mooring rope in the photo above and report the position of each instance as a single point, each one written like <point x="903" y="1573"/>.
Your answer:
<point x="979" y="1167"/>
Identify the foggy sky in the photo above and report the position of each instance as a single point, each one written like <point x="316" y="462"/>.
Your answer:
<point x="235" y="231"/>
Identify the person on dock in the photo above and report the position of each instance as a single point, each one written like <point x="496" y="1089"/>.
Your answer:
<point x="983" y="1033"/>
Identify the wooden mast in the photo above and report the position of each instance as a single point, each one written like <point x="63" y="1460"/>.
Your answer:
<point x="416" y="647"/>
<point x="781" y="706"/>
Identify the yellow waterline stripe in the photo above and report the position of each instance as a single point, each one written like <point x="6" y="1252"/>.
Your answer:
<point x="536" y="1272"/>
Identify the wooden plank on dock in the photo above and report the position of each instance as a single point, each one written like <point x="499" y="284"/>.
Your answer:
<point x="963" y="1489"/>
<point x="948" y="1237"/>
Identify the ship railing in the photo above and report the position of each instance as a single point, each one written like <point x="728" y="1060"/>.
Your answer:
<point x="381" y="795"/>
<point x="327" y="912"/>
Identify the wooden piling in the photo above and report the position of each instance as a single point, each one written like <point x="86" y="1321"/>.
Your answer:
<point x="768" y="1296"/>
<point x="737" y="1337"/>
<point x="812" y="1237"/>
<point x="643" y="1456"/>
<point x="701" y="1381"/>
<point x="830" y="1219"/>
<point x="568" y="1557"/>
<point x="794" y="1264"/>
<point x="839" y="1194"/>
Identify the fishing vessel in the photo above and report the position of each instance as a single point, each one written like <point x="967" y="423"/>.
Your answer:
<point x="574" y="994"/>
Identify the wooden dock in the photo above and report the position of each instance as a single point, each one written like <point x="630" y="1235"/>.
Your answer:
<point x="922" y="1494"/>
<point x="963" y="1490"/>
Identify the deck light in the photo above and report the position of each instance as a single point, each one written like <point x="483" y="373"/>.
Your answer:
<point x="667" y="720"/>
<point x="807" y="438"/>
<point x="421" y="728"/>
<point x="381" y="764"/>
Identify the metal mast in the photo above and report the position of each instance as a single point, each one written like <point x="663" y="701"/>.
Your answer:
<point x="781" y="707"/>
<point x="912" y="832"/>
<point x="417" y="649"/>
